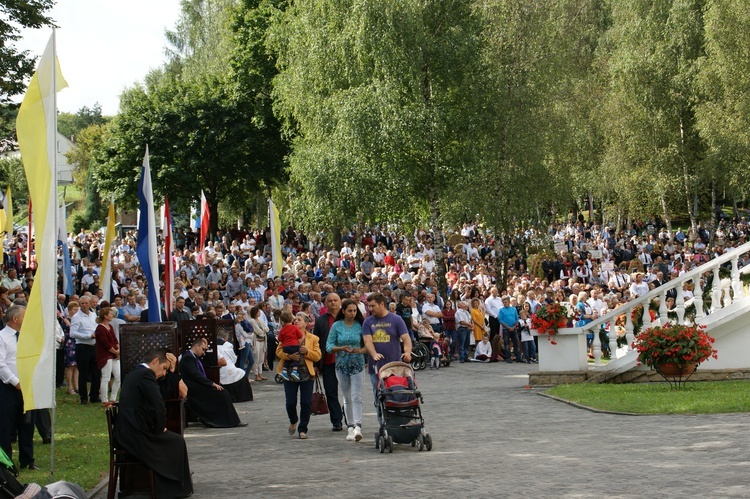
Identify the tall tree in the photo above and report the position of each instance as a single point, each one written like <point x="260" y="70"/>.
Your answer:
<point x="534" y="55"/>
<point x="380" y="99"/>
<point x="70" y="124"/>
<point x="724" y="112"/>
<point x="652" y="143"/>
<point x="16" y="66"/>
<point x="202" y="132"/>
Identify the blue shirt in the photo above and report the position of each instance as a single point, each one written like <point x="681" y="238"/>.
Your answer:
<point x="342" y="335"/>
<point x="508" y="316"/>
<point x="386" y="335"/>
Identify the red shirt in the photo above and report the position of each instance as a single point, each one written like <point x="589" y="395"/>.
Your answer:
<point x="105" y="341"/>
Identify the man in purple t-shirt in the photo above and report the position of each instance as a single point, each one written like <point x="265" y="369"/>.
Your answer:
<point x="383" y="332"/>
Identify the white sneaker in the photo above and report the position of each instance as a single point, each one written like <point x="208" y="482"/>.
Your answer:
<point x="350" y="434"/>
<point x="357" y="433"/>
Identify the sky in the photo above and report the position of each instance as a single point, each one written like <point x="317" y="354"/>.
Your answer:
<point x="104" y="46"/>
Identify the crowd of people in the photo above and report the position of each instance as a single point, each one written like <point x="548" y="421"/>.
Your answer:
<point x="336" y="311"/>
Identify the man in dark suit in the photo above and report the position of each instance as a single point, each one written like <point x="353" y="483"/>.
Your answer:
<point x="231" y="313"/>
<point x="208" y="399"/>
<point x="327" y="364"/>
<point x="144" y="316"/>
<point x="140" y="428"/>
<point x="12" y="418"/>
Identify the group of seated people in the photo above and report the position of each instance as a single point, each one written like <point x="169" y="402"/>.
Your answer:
<point x="141" y="426"/>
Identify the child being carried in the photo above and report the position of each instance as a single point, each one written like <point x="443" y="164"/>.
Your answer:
<point x="289" y="337"/>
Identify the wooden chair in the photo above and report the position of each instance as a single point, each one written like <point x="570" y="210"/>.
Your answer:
<point x="120" y="457"/>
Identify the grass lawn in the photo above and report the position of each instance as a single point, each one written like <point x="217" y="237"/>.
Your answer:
<point x="698" y="397"/>
<point x="81" y="445"/>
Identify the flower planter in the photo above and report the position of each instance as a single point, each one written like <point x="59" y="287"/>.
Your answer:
<point x="568" y="354"/>
<point x="671" y="370"/>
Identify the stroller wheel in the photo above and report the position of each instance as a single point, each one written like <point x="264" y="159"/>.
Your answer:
<point x="420" y="443"/>
<point x="278" y="379"/>
<point x="428" y="442"/>
<point x="390" y="444"/>
<point x="381" y="444"/>
<point x="416" y="359"/>
<point x="413" y="443"/>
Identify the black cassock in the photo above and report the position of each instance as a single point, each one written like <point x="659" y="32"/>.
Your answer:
<point x="214" y="407"/>
<point x="139" y="429"/>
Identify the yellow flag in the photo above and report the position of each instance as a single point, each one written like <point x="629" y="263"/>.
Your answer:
<point x="106" y="280"/>
<point x="277" y="259"/>
<point x="2" y="228"/>
<point x="6" y="220"/>
<point x="8" y="213"/>
<point x="35" y="128"/>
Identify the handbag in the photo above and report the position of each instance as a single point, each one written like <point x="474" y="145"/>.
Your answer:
<point x="318" y="405"/>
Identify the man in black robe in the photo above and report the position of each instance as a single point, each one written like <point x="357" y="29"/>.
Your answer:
<point x="140" y="428"/>
<point x="207" y="399"/>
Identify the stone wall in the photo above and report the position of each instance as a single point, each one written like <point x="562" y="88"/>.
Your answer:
<point x="638" y="375"/>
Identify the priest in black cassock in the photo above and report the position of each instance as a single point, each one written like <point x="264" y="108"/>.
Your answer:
<point x="209" y="400"/>
<point x="140" y="428"/>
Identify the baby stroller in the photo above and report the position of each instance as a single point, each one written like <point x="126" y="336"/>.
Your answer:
<point x="399" y="402"/>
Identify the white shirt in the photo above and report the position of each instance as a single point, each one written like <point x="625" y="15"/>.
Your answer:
<point x="638" y="289"/>
<point x="431" y="307"/>
<point x="229" y="373"/>
<point x="483" y="348"/>
<point x="82" y="327"/>
<point x="597" y="305"/>
<point x="11" y="284"/>
<point x="8" y="349"/>
<point x="492" y="305"/>
<point x="463" y="316"/>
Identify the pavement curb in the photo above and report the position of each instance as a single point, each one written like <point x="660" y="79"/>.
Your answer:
<point x="98" y="488"/>
<point x="592" y="409"/>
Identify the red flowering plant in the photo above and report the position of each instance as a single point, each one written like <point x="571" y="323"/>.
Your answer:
<point x="674" y="343"/>
<point x="549" y="318"/>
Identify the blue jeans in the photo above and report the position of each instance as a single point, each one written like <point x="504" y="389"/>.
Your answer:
<point x="463" y="343"/>
<point x="529" y="349"/>
<point x="511" y="335"/>
<point x="453" y="336"/>
<point x="246" y="357"/>
<point x="374" y="381"/>
<point x="351" y="388"/>
<point x="305" y="395"/>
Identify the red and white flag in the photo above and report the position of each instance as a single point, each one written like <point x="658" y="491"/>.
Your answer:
<point x="205" y="219"/>
<point x="168" y="260"/>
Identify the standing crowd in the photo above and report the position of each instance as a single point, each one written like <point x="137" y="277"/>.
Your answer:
<point x="335" y="312"/>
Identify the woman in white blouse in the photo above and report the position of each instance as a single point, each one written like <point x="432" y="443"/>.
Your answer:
<point x="260" y="330"/>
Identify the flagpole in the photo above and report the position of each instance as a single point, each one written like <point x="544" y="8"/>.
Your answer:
<point x="53" y="317"/>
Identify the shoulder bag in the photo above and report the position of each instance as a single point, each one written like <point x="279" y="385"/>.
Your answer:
<point x="318" y="406"/>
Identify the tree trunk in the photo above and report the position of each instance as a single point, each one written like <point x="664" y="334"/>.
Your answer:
<point x="667" y="218"/>
<point x="358" y="240"/>
<point x="714" y="221"/>
<point x="261" y="207"/>
<point x="735" y="210"/>
<point x="692" y="211"/>
<point x="336" y="236"/>
<point x="501" y="265"/>
<point x="438" y="243"/>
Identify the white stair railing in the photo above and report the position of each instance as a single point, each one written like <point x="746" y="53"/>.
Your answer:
<point x="722" y="295"/>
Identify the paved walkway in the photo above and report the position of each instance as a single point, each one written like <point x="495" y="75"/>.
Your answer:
<point x="492" y="438"/>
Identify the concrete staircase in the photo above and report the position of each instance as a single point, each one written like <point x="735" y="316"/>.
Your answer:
<point x="727" y="319"/>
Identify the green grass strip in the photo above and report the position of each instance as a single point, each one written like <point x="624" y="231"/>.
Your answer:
<point x="697" y="397"/>
<point x="81" y="445"/>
